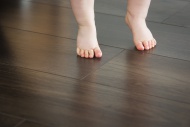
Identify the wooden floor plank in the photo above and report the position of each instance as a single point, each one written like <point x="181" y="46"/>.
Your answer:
<point x="147" y="74"/>
<point x="40" y="18"/>
<point x="159" y="9"/>
<point x="172" y="41"/>
<point x="61" y="3"/>
<point x="32" y="124"/>
<point x="7" y="121"/>
<point x="48" y="53"/>
<point x="182" y="18"/>
<point x="58" y="101"/>
<point x="39" y="68"/>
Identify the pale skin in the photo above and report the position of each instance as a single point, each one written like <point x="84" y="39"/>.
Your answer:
<point x="87" y="43"/>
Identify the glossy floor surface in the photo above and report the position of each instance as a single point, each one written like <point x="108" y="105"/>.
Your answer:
<point x="44" y="84"/>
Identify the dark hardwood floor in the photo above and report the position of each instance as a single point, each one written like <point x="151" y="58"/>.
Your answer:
<point x="44" y="84"/>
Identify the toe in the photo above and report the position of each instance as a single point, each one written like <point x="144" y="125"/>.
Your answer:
<point x="98" y="52"/>
<point x="78" y="51"/>
<point x="146" y="45"/>
<point x="86" y="53"/>
<point x="155" y="42"/>
<point x="139" y="46"/>
<point x="82" y="53"/>
<point x="152" y="41"/>
<point x="91" y="53"/>
<point x="150" y="44"/>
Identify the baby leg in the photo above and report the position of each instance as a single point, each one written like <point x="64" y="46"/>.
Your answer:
<point x="137" y="11"/>
<point x="87" y="44"/>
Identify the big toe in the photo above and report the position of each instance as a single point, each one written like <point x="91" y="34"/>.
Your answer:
<point x="82" y="53"/>
<point x="78" y="51"/>
<point x="98" y="52"/>
<point x="139" y="46"/>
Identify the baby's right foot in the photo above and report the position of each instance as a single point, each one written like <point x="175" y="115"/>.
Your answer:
<point x="87" y="43"/>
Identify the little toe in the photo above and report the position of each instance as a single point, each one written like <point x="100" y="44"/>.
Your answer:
<point x="86" y="53"/>
<point x="82" y="53"/>
<point x="155" y="42"/>
<point x="139" y="46"/>
<point x="98" y="52"/>
<point x="146" y="45"/>
<point x="151" y="44"/>
<point x="91" y="53"/>
<point x="78" y="51"/>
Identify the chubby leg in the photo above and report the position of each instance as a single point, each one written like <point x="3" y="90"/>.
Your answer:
<point x="87" y="44"/>
<point x="137" y="11"/>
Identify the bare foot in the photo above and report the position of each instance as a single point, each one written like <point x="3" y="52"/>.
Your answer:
<point x="87" y="44"/>
<point x="142" y="36"/>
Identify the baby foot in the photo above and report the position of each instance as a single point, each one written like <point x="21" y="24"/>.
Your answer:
<point x="87" y="43"/>
<point x="142" y="36"/>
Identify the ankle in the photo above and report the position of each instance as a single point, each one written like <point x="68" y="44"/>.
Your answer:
<point x="129" y="18"/>
<point x="135" y="21"/>
<point x="87" y="26"/>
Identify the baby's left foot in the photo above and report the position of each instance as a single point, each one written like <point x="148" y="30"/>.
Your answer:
<point x="142" y="36"/>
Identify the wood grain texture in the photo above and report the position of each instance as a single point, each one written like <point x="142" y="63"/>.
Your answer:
<point x="112" y="31"/>
<point x="41" y="18"/>
<point x="181" y="18"/>
<point x="7" y="121"/>
<point x="147" y="74"/>
<point x="62" y="3"/>
<point x="172" y="41"/>
<point x="44" y="84"/>
<point x="32" y="124"/>
<point x="159" y="9"/>
<point x="58" y="101"/>
<point x="49" y="54"/>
